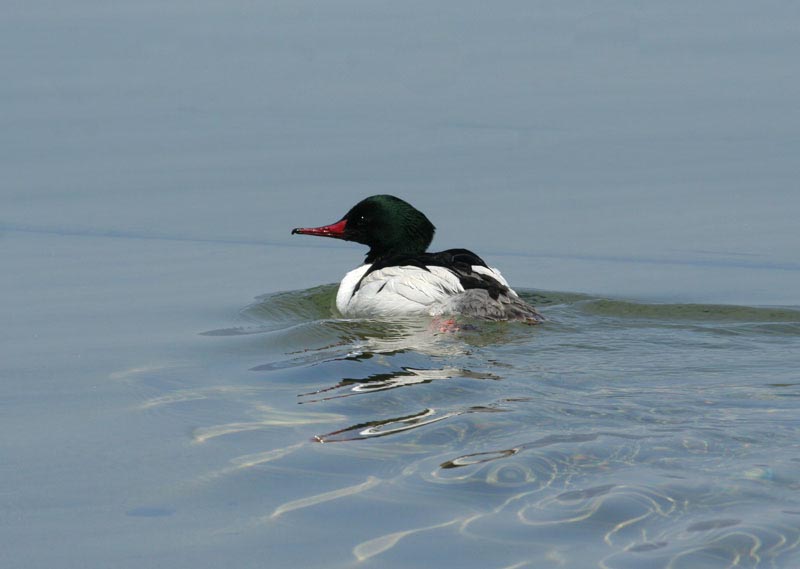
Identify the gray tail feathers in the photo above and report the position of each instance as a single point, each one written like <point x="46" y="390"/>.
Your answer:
<point x="479" y="304"/>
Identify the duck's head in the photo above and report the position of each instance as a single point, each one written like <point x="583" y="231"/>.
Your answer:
<point x="386" y="224"/>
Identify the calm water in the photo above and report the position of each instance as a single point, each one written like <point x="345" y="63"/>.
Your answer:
<point x="176" y="391"/>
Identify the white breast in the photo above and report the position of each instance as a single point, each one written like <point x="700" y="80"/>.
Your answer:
<point x="397" y="291"/>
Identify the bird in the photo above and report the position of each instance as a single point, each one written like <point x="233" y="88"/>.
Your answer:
<point x="400" y="277"/>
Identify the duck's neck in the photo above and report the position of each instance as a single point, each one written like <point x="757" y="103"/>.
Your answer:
<point x="377" y="255"/>
<point x="401" y="240"/>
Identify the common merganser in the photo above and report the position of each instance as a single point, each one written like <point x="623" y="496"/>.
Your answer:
<point x="400" y="278"/>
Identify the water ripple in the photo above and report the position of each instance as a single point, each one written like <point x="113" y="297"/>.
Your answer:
<point x="617" y="435"/>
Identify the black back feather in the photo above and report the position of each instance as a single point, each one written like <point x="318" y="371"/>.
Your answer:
<point x="457" y="261"/>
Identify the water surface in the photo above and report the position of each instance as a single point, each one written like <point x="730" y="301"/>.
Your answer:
<point x="653" y="435"/>
<point x="631" y="168"/>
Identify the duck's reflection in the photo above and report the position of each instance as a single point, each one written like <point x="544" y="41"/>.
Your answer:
<point x="360" y="357"/>
<point x="405" y="377"/>
<point x="384" y="427"/>
<point x="427" y="337"/>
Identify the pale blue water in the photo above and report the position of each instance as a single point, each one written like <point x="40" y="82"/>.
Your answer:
<point x="177" y="391"/>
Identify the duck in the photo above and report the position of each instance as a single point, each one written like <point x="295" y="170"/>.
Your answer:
<point x="400" y="277"/>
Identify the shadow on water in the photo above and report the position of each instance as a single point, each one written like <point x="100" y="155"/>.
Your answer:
<point x="656" y="435"/>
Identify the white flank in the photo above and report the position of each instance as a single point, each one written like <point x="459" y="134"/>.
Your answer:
<point x="402" y="290"/>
